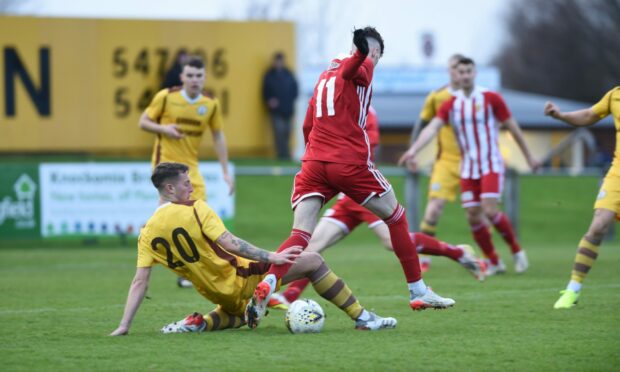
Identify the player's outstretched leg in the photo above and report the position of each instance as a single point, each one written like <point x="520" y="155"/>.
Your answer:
<point x="329" y="286"/>
<point x="429" y="229"/>
<point x="463" y="254"/>
<point x="332" y="288"/>
<point x="471" y="263"/>
<point x="216" y="320"/>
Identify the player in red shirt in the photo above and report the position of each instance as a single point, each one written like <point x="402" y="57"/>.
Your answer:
<point x="345" y="215"/>
<point x="474" y="113"/>
<point x="338" y="159"/>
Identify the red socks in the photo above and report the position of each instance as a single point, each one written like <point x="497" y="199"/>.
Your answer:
<point x="403" y="247"/>
<point x="482" y="236"/>
<point x="428" y="245"/>
<point x="294" y="289"/>
<point x="298" y="237"/>
<point x="504" y="227"/>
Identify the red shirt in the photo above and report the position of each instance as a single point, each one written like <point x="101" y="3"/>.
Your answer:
<point x="475" y="120"/>
<point x="335" y="124"/>
<point x="372" y="129"/>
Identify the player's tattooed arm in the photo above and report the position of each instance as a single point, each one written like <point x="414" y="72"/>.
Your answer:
<point x="242" y="248"/>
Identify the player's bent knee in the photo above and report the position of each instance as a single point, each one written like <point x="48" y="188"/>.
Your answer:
<point x="310" y="260"/>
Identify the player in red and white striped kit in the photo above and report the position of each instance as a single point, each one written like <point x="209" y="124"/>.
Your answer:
<point x="475" y="114"/>
<point x="338" y="158"/>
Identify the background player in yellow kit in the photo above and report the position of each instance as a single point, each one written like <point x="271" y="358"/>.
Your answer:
<point x="607" y="205"/>
<point x="445" y="177"/>
<point x="190" y="239"/>
<point x="179" y="116"/>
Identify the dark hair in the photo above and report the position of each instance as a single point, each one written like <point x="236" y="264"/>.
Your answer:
<point x="466" y="61"/>
<point x="166" y="171"/>
<point x="194" y="61"/>
<point x="372" y="32"/>
<point x="278" y="55"/>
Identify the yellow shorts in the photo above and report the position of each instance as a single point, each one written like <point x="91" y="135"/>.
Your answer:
<point x="233" y="300"/>
<point x="445" y="179"/>
<point x="609" y="195"/>
<point x="198" y="183"/>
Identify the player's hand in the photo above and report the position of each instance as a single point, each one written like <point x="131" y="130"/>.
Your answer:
<point x="359" y="39"/>
<point x="551" y="109"/>
<point x="287" y="256"/>
<point x="406" y="158"/>
<point x="534" y="164"/>
<point x="412" y="165"/>
<point x="231" y="184"/>
<point x="172" y="131"/>
<point x="120" y="331"/>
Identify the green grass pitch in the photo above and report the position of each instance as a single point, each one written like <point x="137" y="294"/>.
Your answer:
<point x="59" y="302"/>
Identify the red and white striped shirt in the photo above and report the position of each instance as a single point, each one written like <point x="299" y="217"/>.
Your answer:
<point x="475" y="120"/>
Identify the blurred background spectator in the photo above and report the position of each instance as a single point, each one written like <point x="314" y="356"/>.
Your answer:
<point x="173" y="76"/>
<point x="279" y="93"/>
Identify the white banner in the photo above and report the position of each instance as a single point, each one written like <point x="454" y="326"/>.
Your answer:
<point x="91" y="199"/>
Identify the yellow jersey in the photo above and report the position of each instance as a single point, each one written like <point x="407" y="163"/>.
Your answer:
<point x="182" y="236"/>
<point x="610" y="104"/>
<point x="193" y="116"/>
<point x="447" y="146"/>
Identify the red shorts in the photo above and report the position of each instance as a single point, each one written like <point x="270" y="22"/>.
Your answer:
<point x="318" y="178"/>
<point x="488" y="187"/>
<point x="347" y="214"/>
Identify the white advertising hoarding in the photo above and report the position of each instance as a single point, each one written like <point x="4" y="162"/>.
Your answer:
<point x="98" y="199"/>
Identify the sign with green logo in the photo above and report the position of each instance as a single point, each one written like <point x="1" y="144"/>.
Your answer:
<point x="19" y="201"/>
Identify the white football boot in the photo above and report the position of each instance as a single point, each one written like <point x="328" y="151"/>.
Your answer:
<point x="521" y="263"/>
<point x="375" y="323"/>
<point x="192" y="323"/>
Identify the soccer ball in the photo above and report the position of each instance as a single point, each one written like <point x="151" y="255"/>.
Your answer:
<point x="304" y="316"/>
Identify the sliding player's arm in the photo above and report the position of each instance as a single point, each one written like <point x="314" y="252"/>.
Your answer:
<point x="136" y="294"/>
<point x="244" y="249"/>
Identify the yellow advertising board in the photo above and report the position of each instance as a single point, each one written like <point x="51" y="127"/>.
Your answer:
<point x="80" y="85"/>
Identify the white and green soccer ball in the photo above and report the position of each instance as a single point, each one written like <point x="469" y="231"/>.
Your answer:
<point x="304" y="316"/>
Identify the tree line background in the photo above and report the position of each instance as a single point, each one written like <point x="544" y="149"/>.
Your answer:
<point x="562" y="48"/>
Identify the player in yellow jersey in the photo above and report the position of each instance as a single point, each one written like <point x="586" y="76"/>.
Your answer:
<point x="179" y="116"/>
<point x="445" y="177"/>
<point x="607" y="205"/>
<point x="189" y="238"/>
